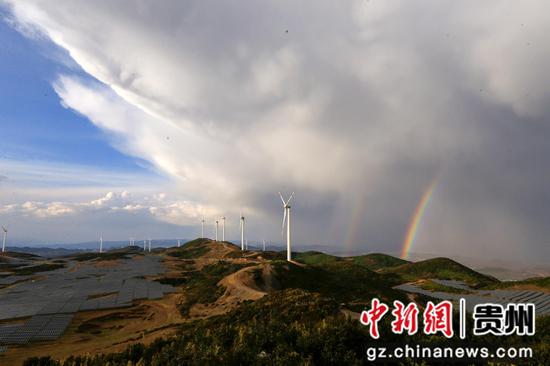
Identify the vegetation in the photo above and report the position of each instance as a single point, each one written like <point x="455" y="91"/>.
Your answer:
<point x="376" y="261"/>
<point x="107" y="256"/>
<point x="193" y="249"/>
<point x="342" y="280"/>
<point x="202" y="286"/>
<point x="441" y="268"/>
<point x="539" y="282"/>
<point x="271" y="255"/>
<point x="315" y="258"/>
<point x="291" y="327"/>
<point x="23" y="255"/>
<point x="173" y="281"/>
<point x="38" y="268"/>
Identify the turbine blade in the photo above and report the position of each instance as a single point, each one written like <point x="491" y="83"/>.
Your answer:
<point x="282" y="199"/>
<point x="289" y="198"/>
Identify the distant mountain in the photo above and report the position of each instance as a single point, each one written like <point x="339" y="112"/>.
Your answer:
<point x="94" y="245"/>
<point x="43" y="252"/>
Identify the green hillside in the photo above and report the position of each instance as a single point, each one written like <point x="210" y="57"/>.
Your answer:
<point x="342" y="280"/>
<point x="542" y="283"/>
<point x="376" y="261"/>
<point x="441" y="268"/>
<point x="373" y="261"/>
<point x="315" y="258"/>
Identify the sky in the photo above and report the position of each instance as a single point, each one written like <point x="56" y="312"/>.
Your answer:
<point x="130" y="119"/>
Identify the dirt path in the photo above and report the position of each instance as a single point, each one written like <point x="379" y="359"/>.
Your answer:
<point x="240" y="286"/>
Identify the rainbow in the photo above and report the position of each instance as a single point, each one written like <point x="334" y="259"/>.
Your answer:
<point x="356" y="221"/>
<point x="417" y="218"/>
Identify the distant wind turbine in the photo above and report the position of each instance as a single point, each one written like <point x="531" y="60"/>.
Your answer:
<point x="202" y="228"/>
<point x="264" y="244"/>
<point x="216" y="230"/>
<point x="242" y="231"/>
<point x="223" y="228"/>
<point x="286" y="219"/>
<point x="4" y="239"/>
<point x="144" y="245"/>
<point x="178" y="243"/>
<point x="101" y="243"/>
<point x="149" y="245"/>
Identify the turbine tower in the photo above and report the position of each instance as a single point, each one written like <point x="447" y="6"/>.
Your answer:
<point x="223" y="228"/>
<point x="4" y="239"/>
<point x="264" y="244"/>
<point x="242" y="231"/>
<point x="178" y="243"/>
<point x="286" y="219"/>
<point x="216" y="230"/>
<point x="149" y="245"/>
<point x="101" y="243"/>
<point x="202" y="228"/>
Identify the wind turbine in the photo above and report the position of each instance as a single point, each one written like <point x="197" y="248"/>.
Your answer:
<point x="149" y="245"/>
<point x="264" y="244"/>
<point x="241" y="224"/>
<point x="178" y="243"/>
<point x="4" y="239"/>
<point x="202" y="228"/>
<point x="101" y="243"/>
<point x="286" y="218"/>
<point x="216" y="230"/>
<point x="223" y="228"/>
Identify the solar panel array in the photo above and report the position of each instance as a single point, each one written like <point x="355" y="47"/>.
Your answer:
<point x="503" y="297"/>
<point x="38" y="328"/>
<point x="52" y="301"/>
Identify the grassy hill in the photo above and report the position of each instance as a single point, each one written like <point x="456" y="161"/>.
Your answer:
<point x="315" y="258"/>
<point x="373" y="261"/>
<point x="377" y="261"/>
<point x="538" y="283"/>
<point x="441" y="268"/>
<point x="341" y="280"/>
<point x="203" y="247"/>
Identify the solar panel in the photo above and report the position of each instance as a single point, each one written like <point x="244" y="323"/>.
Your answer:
<point x="63" y="293"/>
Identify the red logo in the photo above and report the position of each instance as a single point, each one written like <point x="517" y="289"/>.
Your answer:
<point x="373" y="316"/>
<point x="439" y="318"/>
<point x="405" y="318"/>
